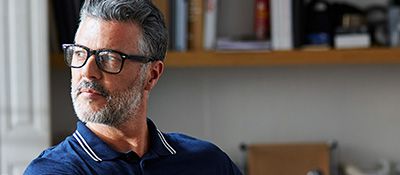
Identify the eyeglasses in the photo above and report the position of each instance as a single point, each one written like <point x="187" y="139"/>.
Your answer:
<point x="110" y="61"/>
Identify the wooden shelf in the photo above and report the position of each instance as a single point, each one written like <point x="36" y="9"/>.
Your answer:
<point x="283" y="58"/>
<point x="274" y="58"/>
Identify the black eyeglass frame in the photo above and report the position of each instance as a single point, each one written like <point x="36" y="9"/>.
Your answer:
<point x="90" y="52"/>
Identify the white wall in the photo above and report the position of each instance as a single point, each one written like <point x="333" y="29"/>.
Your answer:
<point x="358" y="106"/>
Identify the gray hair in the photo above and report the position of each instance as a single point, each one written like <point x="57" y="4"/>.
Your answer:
<point x="154" y="38"/>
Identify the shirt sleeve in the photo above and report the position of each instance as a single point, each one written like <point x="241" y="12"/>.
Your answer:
<point x="235" y="169"/>
<point x="43" y="166"/>
<point x="230" y="167"/>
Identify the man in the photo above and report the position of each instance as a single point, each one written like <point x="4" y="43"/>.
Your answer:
<point x="115" y="62"/>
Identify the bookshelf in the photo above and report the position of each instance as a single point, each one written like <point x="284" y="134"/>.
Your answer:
<point x="283" y="58"/>
<point x="198" y="59"/>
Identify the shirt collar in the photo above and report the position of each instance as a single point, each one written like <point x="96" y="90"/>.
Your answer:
<point x="158" y="141"/>
<point x="98" y="150"/>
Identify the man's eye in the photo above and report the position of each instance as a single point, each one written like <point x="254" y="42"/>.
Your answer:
<point x="79" y="54"/>
<point x="110" y="57"/>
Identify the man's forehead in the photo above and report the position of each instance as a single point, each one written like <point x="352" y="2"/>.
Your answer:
<point x="100" y="34"/>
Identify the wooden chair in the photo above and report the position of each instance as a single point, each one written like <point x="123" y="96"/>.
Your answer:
<point x="288" y="159"/>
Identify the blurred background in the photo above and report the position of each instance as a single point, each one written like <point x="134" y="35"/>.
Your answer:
<point x="239" y="74"/>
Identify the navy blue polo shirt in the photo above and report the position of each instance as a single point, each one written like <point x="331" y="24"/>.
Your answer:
<point x="169" y="153"/>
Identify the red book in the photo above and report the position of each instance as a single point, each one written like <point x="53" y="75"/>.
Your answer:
<point x="262" y="19"/>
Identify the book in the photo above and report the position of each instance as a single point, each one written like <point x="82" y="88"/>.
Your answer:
<point x="171" y="24"/>
<point x="393" y="25"/>
<point x="244" y="45"/>
<point x="181" y="25"/>
<point x="196" y="13"/>
<point x="210" y="24"/>
<point x="281" y="24"/>
<point x="298" y="8"/>
<point x="261" y="19"/>
<point x="352" y="40"/>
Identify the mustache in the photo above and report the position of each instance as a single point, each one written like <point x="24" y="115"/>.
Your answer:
<point x="92" y="85"/>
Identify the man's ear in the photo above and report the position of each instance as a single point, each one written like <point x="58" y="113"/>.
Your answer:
<point x="155" y="71"/>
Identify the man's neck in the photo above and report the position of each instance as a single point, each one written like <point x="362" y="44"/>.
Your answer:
<point x="130" y="136"/>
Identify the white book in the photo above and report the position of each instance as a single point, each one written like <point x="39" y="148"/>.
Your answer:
<point x="181" y="28"/>
<point x="281" y="24"/>
<point x="354" y="40"/>
<point x="210" y="24"/>
<point x="230" y="44"/>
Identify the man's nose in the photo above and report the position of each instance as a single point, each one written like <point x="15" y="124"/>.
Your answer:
<point x="90" y="70"/>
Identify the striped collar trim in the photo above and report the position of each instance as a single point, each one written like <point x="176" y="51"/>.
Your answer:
<point x="156" y="136"/>
<point x="165" y="143"/>
<point x="82" y="142"/>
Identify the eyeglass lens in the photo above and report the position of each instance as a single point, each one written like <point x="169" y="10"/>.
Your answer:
<point x="107" y="61"/>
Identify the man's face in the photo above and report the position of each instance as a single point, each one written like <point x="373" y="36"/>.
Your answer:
<point x="101" y="97"/>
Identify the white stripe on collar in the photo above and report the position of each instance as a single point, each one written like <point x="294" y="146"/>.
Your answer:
<point x="166" y="144"/>
<point x="86" y="147"/>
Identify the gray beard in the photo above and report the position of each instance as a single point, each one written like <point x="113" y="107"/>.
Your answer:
<point x="120" y="106"/>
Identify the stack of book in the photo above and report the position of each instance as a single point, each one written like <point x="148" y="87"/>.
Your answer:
<point x="193" y="25"/>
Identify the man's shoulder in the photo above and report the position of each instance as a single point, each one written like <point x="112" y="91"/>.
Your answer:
<point x="187" y="140"/>
<point x="200" y="153"/>
<point x="62" y="152"/>
<point x="194" y="145"/>
<point x="43" y="165"/>
<point x="54" y="160"/>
